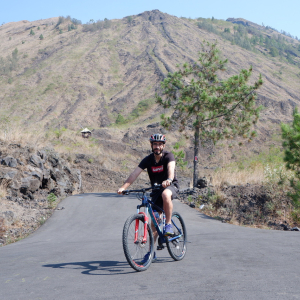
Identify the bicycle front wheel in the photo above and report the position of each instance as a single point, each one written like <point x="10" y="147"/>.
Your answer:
<point x="177" y="246"/>
<point x="138" y="247"/>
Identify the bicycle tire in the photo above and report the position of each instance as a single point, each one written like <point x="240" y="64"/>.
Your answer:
<point x="177" y="248"/>
<point x="136" y="251"/>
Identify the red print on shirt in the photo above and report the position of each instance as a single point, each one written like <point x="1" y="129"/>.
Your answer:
<point x="157" y="169"/>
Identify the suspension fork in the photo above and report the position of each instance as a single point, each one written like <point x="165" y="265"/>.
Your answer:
<point x="145" y="228"/>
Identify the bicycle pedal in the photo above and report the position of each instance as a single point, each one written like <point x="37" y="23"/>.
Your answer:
<point x="160" y="247"/>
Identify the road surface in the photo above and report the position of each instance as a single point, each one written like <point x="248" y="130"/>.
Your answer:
<point x="78" y="254"/>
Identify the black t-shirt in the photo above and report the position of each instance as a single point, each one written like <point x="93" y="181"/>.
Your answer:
<point x="158" y="172"/>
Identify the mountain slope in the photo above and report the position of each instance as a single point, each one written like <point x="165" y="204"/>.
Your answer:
<point x="89" y="75"/>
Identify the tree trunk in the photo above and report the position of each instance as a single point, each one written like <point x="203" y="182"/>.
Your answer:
<point x="196" y="154"/>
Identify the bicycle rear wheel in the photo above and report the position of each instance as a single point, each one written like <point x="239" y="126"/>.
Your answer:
<point x="177" y="247"/>
<point x="138" y="253"/>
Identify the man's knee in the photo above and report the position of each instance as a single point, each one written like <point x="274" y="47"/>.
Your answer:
<point x="167" y="195"/>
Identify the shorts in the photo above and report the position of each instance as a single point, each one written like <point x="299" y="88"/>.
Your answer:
<point x="157" y="198"/>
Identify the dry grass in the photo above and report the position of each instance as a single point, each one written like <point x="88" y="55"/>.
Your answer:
<point x="3" y="188"/>
<point x="20" y="135"/>
<point x="3" y="227"/>
<point x="71" y="142"/>
<point x="238" y="177"/>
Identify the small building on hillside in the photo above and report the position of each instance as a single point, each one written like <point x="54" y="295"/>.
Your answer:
<point x="86" y="133"/>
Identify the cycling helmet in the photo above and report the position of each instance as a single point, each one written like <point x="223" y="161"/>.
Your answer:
<point x="157" y="137"/>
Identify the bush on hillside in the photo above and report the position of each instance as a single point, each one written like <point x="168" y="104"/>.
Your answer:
<point x="291" y="142"/>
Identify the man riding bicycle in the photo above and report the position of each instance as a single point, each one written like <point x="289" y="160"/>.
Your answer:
<point x="160" y="165"/>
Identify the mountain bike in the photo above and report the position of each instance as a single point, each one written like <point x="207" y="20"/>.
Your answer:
<point x="138" y="241"/>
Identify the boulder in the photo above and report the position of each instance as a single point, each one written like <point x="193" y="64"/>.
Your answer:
<point x="46" y="174"/>
<point x="53" y="158"/>
<point x="8" y="173"/>
<point x="29" y="184"/>
<point x="42" y="154"/>
<point x="49" y="184"/>
<point x="56" y="174"/>
<point x="36" y="161"/>
<point x="9" y="161"/>
<point x="202" y="183"/>
<point x="38" y="175"/>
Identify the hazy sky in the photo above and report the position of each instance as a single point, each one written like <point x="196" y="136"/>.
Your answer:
<point x="281" y="15"/>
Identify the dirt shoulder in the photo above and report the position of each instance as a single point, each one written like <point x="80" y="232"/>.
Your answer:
<point x="262" y="206"/>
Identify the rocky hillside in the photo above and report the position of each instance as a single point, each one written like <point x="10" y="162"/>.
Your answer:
<point x="31" y="184"/>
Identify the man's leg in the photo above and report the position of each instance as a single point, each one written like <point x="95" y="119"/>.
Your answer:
<point x="155" y="234"/>
<point x="167" y="204"/>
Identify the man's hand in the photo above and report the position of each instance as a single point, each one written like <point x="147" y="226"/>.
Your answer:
<point x="166" y="183"/>
<point x="120" y="190"/>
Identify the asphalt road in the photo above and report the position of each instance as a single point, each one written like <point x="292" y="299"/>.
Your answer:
<point x="77" y="254"/>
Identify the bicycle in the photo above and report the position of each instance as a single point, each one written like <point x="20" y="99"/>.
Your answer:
<point x="138" y="236"/>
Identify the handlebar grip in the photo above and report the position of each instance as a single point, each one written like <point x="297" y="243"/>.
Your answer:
<point x="157" y="187"/>
<point x="125" y="192"/>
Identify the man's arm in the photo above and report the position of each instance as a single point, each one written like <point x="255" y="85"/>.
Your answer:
<point x="132" y="177"/>
<point x="171" y="174"/>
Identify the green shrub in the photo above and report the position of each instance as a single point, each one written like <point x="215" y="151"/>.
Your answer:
<point x="120" y="120"/>
<point x="274" y="52"/>
<point x="142" y="107"/>
<point x="295" y="214"/>
<point x="99" y="25"/>
<point x="76" y="21"/>
<point x="49" y="87"/>
<point x="10" y="63"/>
<point x="59" y="131"/>
<point x="61" y="20"/>
<point x="51" y="199"/>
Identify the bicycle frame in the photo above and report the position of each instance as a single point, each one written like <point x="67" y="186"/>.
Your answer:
<point x="148" y="209"/>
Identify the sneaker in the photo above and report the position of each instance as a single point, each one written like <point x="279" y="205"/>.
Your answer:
<point x="168" y="230"/>
<point x="146" y="257"/>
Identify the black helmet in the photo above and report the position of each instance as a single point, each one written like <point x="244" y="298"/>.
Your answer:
<point x="157" y="137"/>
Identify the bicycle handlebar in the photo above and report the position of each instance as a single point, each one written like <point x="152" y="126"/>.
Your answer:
<point x="155" y="187"/>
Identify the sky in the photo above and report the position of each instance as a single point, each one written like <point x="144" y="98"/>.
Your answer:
<point x="281" y="15"/>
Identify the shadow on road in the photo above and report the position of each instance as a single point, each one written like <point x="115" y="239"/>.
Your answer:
<point x="95" y="267"/>
<point x="102" y="267"/>
<point x="203" y="216"/>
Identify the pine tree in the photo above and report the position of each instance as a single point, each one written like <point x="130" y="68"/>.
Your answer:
<point x="179" y="156"/>
<point x="291" y="144"/>
<point x="215" y="108"/>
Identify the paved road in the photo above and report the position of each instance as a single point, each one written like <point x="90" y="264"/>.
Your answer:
<point x="77" y="254"/>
